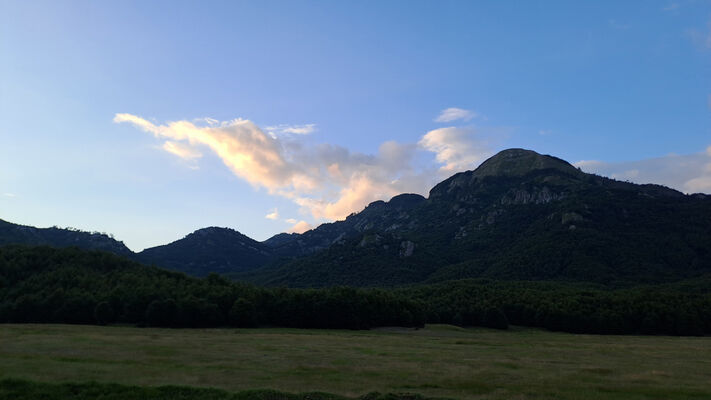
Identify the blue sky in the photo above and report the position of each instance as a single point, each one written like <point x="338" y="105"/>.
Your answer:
<point x="149" y="120"/>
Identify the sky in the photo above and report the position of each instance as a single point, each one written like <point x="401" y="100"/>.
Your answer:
<point x="151" y="119"/>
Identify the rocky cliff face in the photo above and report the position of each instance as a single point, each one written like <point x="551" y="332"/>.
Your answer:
<point x="377" y="216"/>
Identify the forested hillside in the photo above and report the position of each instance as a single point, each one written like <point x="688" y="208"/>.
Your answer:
<point x="42" y="284"/>
<point x="59" y="237"/>
<point x="519" y="216"/>
<point x="209" y="250"/>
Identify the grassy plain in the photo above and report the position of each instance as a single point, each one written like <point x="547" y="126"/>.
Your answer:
<point x="438" y="361"/>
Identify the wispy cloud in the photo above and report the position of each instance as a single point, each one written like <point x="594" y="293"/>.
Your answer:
<point x="273" y="215"/>
<point x="455" y="114"/>
<point x="291" y="129"/>
<point x="671" y="7"/>
<point x="689" y="173"/>
<point x="329" y="182"/>
<point x="181" y="150"/>
<point x="457" y="148"/>
<point x="11" y="195"/>
<point x="290" y="221"/>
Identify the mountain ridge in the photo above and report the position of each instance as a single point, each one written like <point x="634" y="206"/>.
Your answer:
<point x="208" y="250"/>
<point x="519" y="215"/>
<point x="59" y="237"/>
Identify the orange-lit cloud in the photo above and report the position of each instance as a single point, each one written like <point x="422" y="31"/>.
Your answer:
<point x="181" y="150"/>
<point x="329" y="182"/>
<point x="300" y="227"/>
<point x="274" y="215"/>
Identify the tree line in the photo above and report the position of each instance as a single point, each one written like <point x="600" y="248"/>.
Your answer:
<point x="43" y="284"/>
<point x="674" y="309"/>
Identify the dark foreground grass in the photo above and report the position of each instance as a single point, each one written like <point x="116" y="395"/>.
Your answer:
<point x="439" y="361"/>
<point x="14" y="389"/>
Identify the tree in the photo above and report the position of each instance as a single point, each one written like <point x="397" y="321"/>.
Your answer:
<point x="243" y="314"/>
<point x="104" y="313"/>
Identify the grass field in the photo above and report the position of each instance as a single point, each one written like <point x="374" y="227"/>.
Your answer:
<point x="439" y="361"/>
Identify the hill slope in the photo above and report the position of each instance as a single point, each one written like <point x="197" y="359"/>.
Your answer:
<point x="206" y="250"/>
<point x="520" y="215"/>
<point x="219" y="250"/>
<point x="57" y="237"/>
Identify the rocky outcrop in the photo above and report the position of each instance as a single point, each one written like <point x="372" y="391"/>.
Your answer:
<point x="407" y="248"/>
<point x="533" y="196"/>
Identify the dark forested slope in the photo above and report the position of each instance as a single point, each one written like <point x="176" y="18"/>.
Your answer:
<point x="43" y="284"/>
<point x="59" y="237"/>
<point x="209" y="250"/>
<point x="70" y="285"/>
<point x="520" y="215"/>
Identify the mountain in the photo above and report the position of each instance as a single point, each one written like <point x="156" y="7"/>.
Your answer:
<point x="328" y="234"/>
<point x="57" y="237"/>
<point x="219" y="250"/>
<point x="212" y="249"/>
<point x="519" y="215"/>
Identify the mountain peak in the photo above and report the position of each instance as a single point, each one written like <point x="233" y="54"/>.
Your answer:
<point x="211" y="249"/>
<point x="211" y="230"/>
<point x="519" y="162"/>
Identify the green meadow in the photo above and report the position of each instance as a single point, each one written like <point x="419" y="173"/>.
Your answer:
<point x="438" y="361"/>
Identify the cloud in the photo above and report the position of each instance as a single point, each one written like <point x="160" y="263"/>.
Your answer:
<point x="290" y="221"/>
<point x="671" y="7"/>
<point x="273" y="215"/>
<point x="457" y="148"/>
<point x="242" y="146"/>
<point x="689" y="173"/>
<point x="454" y="114"/>
<point x="10" y="195"/>
<point x="181" y="150"/>
<point x="300" y="227"/>
<point x="293" y="129"/>
<point x="329" y="182"/>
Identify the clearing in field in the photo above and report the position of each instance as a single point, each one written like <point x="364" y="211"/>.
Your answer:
<point x="439" y="361"/>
